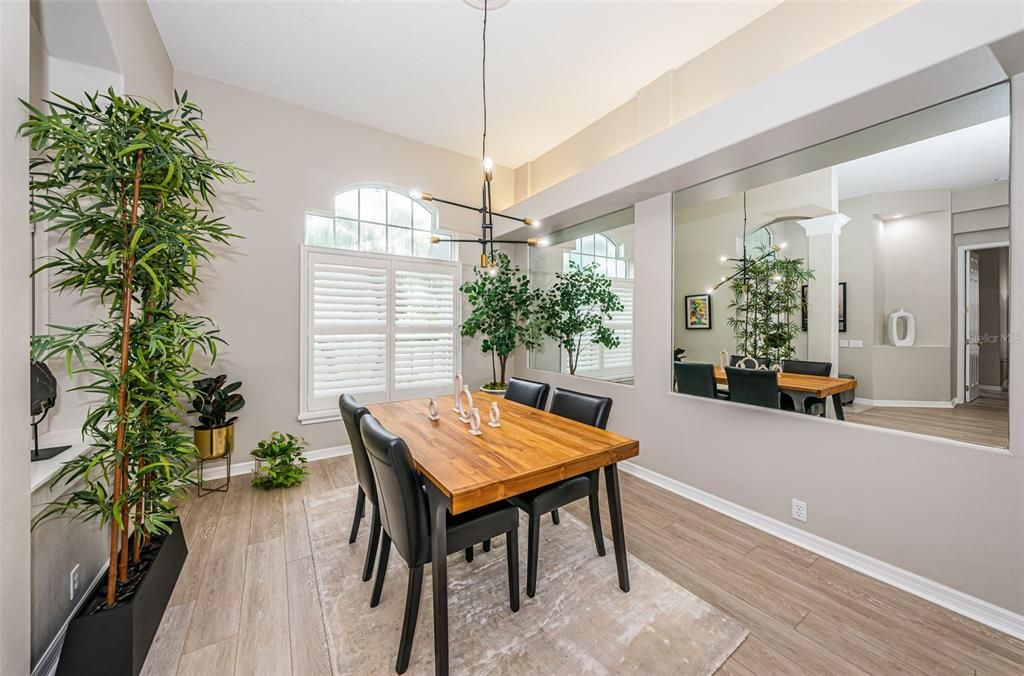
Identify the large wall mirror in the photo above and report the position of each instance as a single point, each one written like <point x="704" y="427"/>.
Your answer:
<point x="866" y="278"/>
<point x="591" y="264"/>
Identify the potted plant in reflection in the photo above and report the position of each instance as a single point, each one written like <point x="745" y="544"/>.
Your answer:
<point x="573" y="312"/>
<point x="766" y="304"/>
<point x="215" y="434"/>
<point x="128" y="190"/>
<point x="503" y="306"/>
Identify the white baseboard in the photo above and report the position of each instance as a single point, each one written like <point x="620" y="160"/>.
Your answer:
<point x="977" y="609"/>
<point x="904" y="403"/>
<point x="47" y="664"/>
<point x="991" y="388"/>
<point x="218" y="470"/>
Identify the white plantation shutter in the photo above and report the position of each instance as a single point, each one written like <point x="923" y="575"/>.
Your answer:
<point x="375" y="326"/>
<point x="424" y="328"/>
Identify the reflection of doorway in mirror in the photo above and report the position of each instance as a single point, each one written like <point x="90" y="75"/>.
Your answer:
<point x="982" y="320"/>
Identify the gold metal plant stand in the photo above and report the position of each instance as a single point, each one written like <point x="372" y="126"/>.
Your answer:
<point x="220" y="489"/>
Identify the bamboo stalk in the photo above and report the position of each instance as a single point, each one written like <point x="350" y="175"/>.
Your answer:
<point x="120" y="486"/>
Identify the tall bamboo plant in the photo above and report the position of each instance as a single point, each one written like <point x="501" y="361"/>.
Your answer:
<point x="128" y="189"/>
<point x="766" y="304"/>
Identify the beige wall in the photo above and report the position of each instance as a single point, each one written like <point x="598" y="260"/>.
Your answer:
<point x="140" y="51"/>
<point x="14" y="333"/>
<point x="788" y="34"/>
<point x="300" y="159"/>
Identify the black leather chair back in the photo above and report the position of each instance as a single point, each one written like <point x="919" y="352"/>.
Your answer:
<point x="735" y="359"/>
<point x="527" y="392"/>
<point x="584" y="408"/>
<point x="696" y="379"/>
<point x="809" y="368"/>
<point x="400" y="497"/>
<point x="752" y="386"/>
<point x="352" y="413"/>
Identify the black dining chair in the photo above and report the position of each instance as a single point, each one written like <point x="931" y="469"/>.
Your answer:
<point x="589" y="410"/>
<point x="351" y="414"/>
<point x="753" y="386"/>
<point x="406" y="523"/>
<point x="806" y="404"/>
<point x="696" y="379"/>
<point x="527" y="392"/>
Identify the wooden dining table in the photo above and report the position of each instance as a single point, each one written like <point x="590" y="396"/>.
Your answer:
<point x="531" y="449"/>
<point x="821" y="387"/>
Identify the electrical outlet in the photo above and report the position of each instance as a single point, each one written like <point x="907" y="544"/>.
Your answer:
<point x="799" y="510"/>
<point x="73" y="582"/>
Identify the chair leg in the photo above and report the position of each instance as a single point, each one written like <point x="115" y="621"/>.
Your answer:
<point x="371" y="546"/>
<point x="532" y="554"/>
<point x="595" y="522"/>
<point x="412" y="611"/>
<point x="554" y="517"/>
<point x="360" y="507"/>
<point x="487" y="545"/>
<point x="382" y="569"/>
<point x="512" y="554"/>
<point x="469" y="554"/>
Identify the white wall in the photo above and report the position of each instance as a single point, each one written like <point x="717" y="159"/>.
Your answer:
<point x="300" y="159"/>
<point x="14" y="333"/>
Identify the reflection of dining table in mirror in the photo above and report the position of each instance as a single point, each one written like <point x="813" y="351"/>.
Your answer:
<point x="821" y="387"/>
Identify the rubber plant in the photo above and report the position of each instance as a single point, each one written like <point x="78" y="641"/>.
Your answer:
<point x="573" y="311"/>
<point x="128" y="189"/>
<point x="503" y="303"/>
<point x="766" y="304"/>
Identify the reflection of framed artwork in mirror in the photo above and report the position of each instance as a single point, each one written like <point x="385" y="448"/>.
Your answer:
<point x="841" y="313"/>
<point x="698" y="311"/>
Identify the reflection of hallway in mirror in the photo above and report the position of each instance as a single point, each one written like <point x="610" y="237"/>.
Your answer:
<point x="986" y="420"/>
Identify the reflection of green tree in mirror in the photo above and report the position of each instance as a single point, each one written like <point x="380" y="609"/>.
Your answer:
<point x="766" y="304"/>
<point x="128" y="189"/>
<point x="503" y="306"/>
<point x="573" y="311"/>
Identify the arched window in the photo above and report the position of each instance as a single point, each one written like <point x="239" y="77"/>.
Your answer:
<point x="381" y="220"/>
<point x="599" y="248"/>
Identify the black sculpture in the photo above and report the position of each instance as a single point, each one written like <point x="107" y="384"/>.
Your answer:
<point x="43" y="389"/>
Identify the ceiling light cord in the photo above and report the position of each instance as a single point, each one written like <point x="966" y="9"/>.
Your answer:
<point x="483" y="77"/>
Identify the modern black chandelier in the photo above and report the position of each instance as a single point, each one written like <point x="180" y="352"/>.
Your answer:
<point x="487" y="214"/>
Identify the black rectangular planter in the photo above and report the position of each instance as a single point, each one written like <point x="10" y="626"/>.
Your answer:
<point x="115" y="642"/>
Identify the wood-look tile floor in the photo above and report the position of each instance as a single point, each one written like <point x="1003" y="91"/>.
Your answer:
<point x="247" y="602"/>
<point x="985" y="420"/>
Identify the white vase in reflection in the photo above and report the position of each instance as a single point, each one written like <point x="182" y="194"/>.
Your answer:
<point x="494" y="413"/>
<point x="474" y="422"/>
<point x="432" y="411"/>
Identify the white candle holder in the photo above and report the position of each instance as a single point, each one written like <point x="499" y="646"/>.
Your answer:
<point x="474" y="422"/>
<point x="458" y="396"/>
<point x="432" y="412"/>
<point x="494" y="413"/>
<point x="465" y="409"/>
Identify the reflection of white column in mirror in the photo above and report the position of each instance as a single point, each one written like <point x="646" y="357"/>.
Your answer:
<point x="823" y="291"/>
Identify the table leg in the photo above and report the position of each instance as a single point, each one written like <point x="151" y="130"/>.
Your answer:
<point x="611" y="480"/>
<point x="837" y="404"/>
<point x="439" y="573"/>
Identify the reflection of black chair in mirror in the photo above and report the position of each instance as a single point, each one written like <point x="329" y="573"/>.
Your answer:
<point x="696" y="379"/>
<point x="793" y="401"/>
<point x="43" y="390"/>
<point x="753" y="386"/>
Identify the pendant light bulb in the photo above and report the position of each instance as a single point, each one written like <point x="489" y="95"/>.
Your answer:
<point x="416" y="194"/>
<point x="492" y="271"/>
<point x="488" y="164"/>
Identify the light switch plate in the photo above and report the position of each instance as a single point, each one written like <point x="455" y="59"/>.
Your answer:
<point x="844" y="343"/>
<point x="856" y="343"/>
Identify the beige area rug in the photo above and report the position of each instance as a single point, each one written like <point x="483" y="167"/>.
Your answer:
<point x="579" y="621"/>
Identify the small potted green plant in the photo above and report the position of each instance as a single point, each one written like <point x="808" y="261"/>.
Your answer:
<point x="215" y="434"/>
<point x="278" y="461"/>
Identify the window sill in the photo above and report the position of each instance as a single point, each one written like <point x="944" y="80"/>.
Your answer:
<point x="313" y="417"/>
